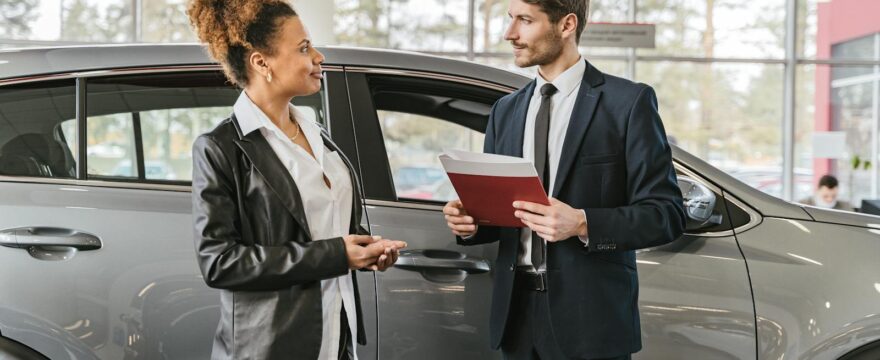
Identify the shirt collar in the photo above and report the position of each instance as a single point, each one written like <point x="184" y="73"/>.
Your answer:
<point x="251" y="118"/>
<point x="568" y="81"/>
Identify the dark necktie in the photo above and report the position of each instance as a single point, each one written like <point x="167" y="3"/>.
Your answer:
<point x="542" y="163"/>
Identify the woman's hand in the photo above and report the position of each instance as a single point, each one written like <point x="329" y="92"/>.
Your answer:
<point x="371" y="251"/>
<point x="359" y="255"/>
<point x="391" y="251"/>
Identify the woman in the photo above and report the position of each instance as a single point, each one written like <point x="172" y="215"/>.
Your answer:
<point x="274" y="200"/>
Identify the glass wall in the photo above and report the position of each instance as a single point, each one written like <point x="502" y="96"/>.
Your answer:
<point x="720" y="67"/>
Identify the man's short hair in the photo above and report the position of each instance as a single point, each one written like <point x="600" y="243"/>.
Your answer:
<point x="557" y="9"/>
<point x="828" y="181"/>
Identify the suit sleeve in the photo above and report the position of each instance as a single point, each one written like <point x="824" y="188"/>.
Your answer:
<point x="655" y="214"/>
<point x="484" y="234"/>
<point x="225" y="260"/>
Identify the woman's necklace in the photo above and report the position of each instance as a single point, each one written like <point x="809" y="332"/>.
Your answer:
<point x="293" y="138"/>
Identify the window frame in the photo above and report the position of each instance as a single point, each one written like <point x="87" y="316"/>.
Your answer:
<point x="81" y="93"/>
<point x="378" y="179"/>
<point x="44" y="85"/>
<point x="727" y="204"/>
<point x="136" y="133"/>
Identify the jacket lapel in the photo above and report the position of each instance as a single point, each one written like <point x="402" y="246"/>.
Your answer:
<point x="581" y="117"/>
<point x="518" y="122"/>
<point x="264" y="160"/>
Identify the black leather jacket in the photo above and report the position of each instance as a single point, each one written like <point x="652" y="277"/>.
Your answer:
<point x="253" y="242"/>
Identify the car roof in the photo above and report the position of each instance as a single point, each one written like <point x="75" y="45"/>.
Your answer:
<point x="28" y="62"/>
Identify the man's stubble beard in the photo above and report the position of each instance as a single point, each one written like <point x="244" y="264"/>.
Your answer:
<point x="553" y="49"/>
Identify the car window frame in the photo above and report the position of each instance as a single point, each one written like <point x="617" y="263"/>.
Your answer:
<point x="50" y="83"/>
<point x="725" y="200"/>
<point x="341" y="125"/>
<point x="378" y="179"/>
<point x="81" y="87"/>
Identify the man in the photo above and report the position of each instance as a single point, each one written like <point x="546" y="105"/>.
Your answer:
<point x="566" y="286"/>
<point x="826" y="195"/>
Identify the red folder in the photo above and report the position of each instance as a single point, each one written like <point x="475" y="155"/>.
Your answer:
<point x="488" y="184"/>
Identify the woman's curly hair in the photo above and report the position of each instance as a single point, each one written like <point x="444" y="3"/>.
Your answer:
<point x="233" y="29"/>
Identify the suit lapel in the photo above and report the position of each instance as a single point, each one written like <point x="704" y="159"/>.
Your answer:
<point x="518" y="123"/>
<point x="581" y="117"/>
<point x="264" y="160"/>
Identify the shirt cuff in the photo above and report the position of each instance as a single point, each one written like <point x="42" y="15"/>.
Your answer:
<point x="471" y="236"/>
<point x="585" y="239"/>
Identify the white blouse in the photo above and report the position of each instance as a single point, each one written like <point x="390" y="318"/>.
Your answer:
<point x="328" y="210"/>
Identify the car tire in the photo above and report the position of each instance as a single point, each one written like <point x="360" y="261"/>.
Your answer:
<point x="14" y="350"/>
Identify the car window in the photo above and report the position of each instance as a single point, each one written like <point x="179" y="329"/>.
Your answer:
<point x="419" y="119"/>
<point x="168" y="135"/>
<point x="111" y="143"/>
<point x="737" y="215"/>
<point x="141" y="127"/>
<point x="30" y="144"/>
<point x="413" y="143"/>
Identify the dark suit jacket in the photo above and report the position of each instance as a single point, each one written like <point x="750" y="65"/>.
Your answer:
<point x="616" y="164"/>
<point x="253" y="242"/>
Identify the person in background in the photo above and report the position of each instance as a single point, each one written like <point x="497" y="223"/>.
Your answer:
<point x="826" y="195"/>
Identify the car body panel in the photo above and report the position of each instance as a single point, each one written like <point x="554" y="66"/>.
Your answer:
<point x="832" y="216"/>
<point x="142" y="285"/>
<point x="431" y="313"/>
<point x="695" y="301"/>
<point x="816" y="286"/>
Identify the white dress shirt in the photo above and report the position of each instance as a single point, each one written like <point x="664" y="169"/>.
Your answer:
<point x="328" y="210"/>
<point x="561" y="105"/>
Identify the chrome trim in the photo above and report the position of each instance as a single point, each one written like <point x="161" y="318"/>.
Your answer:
<point x="429" y="75"/>
<point x="127" y="71"/>
<point x="403" y="205"/>
<point x="96" y="183"/>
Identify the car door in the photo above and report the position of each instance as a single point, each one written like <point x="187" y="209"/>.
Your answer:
<point x="434" y="304"/>
<point x="125" y="283"/>
<point x="695" y="296"/>
<point x="40" y="292"/>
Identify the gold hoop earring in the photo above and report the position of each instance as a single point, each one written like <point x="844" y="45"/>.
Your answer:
<point x="269" y="77"/>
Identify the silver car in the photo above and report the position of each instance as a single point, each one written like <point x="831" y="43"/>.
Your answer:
<point x="97" y="264"/>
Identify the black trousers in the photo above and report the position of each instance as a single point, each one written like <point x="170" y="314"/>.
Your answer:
<point x="346" y="344"/>
<point x="529" y="334"/>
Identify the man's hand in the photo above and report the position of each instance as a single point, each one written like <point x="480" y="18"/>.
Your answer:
<point x="458" y="220"/>
<point x="552" y="223"/>
<point x="390" y="253"/>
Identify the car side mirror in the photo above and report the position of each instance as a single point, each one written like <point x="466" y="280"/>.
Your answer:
<point x="699" y="204"/>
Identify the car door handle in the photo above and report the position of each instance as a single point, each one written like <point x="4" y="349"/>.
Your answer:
<point x="48" y="237"/>
<point x="430" y="259"/>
